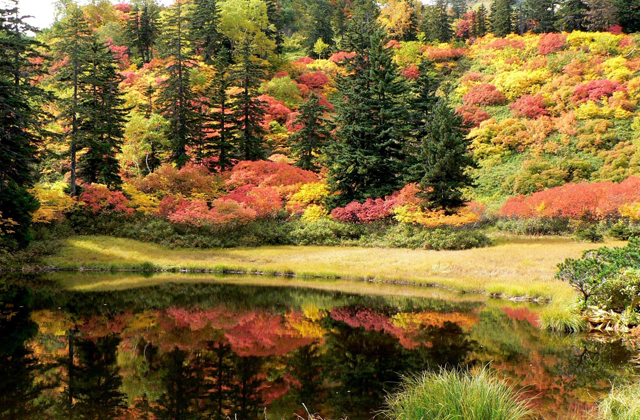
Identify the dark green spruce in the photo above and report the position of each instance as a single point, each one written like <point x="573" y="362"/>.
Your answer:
<point x="307" y="143"/>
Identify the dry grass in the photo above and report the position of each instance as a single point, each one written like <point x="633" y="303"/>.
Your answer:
<point x="517" y="266"/>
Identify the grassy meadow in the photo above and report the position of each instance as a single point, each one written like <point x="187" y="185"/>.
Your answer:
<point x="514" y="267"/>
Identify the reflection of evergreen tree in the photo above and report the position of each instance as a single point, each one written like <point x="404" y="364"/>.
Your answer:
<point x="182" y="384"/>
<point x="218" y="367"/>
<point x="98" y="380"/>
<point x="245" y="397"/>
<point x="18" y="365"/>
<point x="366" y="364"/>
<point x="305" y="365"/>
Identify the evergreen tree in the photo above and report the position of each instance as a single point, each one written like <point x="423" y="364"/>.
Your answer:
<point x="319" y="25"/>
<point x="276" y="21"/>
<point x="459" y="8"/>
<point x="542" y="13"/>
<point x="572" y="15"/>
<point x="104" y="118"/>
<point x="248" y="110"/>
<point x="75" y="39"/>
<point x="177" y="99"/>
<point x="20" y="116"/>
<point x="502" y="17"/>
<point x="141" y="30"/>
<point x="221" y="143"/>
<point x="437" y="25"/>
<point x="204" y="29"/>
<point x="444" y="159"/>
<point x="307" y="142"/>
<point x="366" y="159"/>
<point x="480" y="28"/>
<point x="628" y="15"/>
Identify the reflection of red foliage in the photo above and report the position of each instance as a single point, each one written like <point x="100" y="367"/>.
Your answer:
<point x="473" y="115"/>
<point x="576" y="201"/>
<point x="522" y="314"/>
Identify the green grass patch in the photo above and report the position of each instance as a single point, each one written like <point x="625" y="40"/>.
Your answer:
<point x="452" y="395"/>
<point x="622" y="404"/>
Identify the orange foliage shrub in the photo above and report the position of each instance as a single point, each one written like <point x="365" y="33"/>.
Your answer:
<point x="189" y="181"/>
<point x="529" y="106"/>
<point x="264" y="173"/>
<point x="596" y="90"/>
<point x="595" y="201"/>
<point x="473" y="115"/>
<point x="551" y="42"/>
<point x="484" y="94"/>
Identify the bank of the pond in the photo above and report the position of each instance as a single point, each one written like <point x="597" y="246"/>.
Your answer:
<point x="514" y="267"/>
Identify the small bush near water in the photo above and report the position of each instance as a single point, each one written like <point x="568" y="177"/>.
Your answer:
<point x="452" y="395"/>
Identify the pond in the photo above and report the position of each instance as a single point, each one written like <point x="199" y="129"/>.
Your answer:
<point x="102" y="346"/>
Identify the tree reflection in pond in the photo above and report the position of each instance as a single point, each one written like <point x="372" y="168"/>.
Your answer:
<point x="217" y="351"/>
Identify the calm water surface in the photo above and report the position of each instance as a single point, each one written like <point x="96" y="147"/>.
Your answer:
<point x="128" y="347"/>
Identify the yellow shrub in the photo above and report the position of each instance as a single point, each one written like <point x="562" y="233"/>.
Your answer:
<point x="140" y="201"/>
<point x="631" y="211"/>
<point x="591" y="110"/>
<point x="514" y="84"/>
<point x="616" y="69"/>
<point x="597" y="42"/>
<point x="314" y="212"/>
<point x="53" y="203"/>
<point x="417" y="216"/>
<point x="312" y="193"/>
<point x="6" y="225"/>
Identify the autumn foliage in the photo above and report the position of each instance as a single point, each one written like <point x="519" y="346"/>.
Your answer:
<point x="484" y="94"/>
<point x="597" y="201"/>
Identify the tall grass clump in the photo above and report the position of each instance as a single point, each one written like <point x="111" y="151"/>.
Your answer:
<point x="622" y="404"/>
<point x="453" y="395"/>
<point x="561" y="318"/>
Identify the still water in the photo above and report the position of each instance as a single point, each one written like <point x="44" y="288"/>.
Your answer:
<point x="97" y="346"/>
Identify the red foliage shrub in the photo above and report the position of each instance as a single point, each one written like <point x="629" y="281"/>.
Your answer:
<point x="324" y="102"/>
<point x="121" y="7"/>
<point x="281" y="74"/>
<point x="471" y="77"/>
<point x="615" y="29"/>
<point x="575" y="201"/>
<point x="394" y="44"/>
<point x="484" y="94"/>
<point x="264" y="173"/>
<point x="315" y="80"/>
<point x="529" y="106"/>
<point x="119" y="53"/>
<point x="341" y="56"/>
<point x="443" y="54"/>
<point x="551" y="42"/>
<point x="304" y="60"/>
<point x="501" y="44"/>
<point x="222" y="212"/>
<point x="304" y="89"/>
<point x="291" y="126"/>
<point x="99" y="199"/>
<point x="265" y="201"/>
<point x="473" y="115"/>
<point x="595" y="90"/>
<point x="276" y="110"/>
<point x="411" y="72"/>
<point x="369" y="211"/>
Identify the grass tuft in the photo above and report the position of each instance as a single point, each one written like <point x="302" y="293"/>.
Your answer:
<point x="562" y="318"/>
<point x="622" y="404"/>
<point x="452" y="395"/>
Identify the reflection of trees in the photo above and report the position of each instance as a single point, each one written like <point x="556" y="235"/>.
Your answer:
<point x="245" y="395"/>
<point x="92" y="378"/>
<point x="218" y="365"/>
<point x="18" y="366"/>
<point x="181" y="382"/>
<point x="305" y="366"/>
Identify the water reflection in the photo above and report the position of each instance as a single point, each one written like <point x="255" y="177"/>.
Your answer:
<point x="217" y="351"/>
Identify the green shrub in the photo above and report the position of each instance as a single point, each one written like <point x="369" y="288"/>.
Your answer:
<point x="623" y="231"/>
<point x="621" y="404"/>
<point x="535" y="226"/>
<point x="324" y="232"/>
<point x="451" y="395"/>
<point x="590" y="234"/>
<point x="606" y="277"/>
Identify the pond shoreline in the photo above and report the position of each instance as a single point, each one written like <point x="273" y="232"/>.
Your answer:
<point x="288" y="274"/>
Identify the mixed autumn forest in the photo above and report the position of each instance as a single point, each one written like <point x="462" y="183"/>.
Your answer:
<point x="328" y="139"/>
